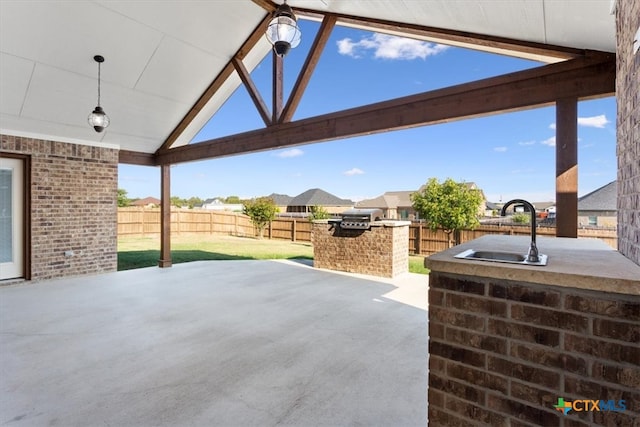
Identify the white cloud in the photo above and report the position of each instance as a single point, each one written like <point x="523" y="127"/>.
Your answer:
<point x="525" y="143"/>
<point x="551" y="142"/>
<point x="500" y="149"/>
<point x="389" y="47"/>
<point x="294" y="152"/>
<point x="354" y="171"/>
<point x="594" y="122"/>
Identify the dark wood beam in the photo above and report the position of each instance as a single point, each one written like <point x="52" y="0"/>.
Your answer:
<point x="215" y="85"/>
<point x="567" y="167"/>
<point x="254" y="93"/>
<point x="165" y="216"/>
<point x="267" y="5"/>
<point x="581" y="78"/>
<point x="442" y="35"/>
<point x="309" y="66"/>
<point x="278" y="86"/>
<point x="136" y="158"/>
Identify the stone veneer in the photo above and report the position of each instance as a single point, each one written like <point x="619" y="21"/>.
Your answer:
<point x="628" y="129"/>
<point x="382" y="250"/>
<point x="73" y="206"/>
<point x="503" y="352"/>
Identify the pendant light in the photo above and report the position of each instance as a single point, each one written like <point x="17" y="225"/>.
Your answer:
<point x="98" y="118"/>
<point x="283" y="31"/>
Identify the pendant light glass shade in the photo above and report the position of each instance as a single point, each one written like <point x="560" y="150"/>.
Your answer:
<point x="283" y="32"/>
<point x="98" y="118"/>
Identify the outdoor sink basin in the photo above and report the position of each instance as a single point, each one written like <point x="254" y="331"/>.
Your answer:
<point x="498" y="256"/>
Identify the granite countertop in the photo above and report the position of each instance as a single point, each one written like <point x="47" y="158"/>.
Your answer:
<point x="577" y="263"/>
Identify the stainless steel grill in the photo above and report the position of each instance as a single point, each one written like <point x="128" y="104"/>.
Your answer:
<point x="359" y="219"/>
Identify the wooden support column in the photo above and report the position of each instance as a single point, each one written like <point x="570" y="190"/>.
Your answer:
<point x="165" y="216"/>
<point x="278" y="87"/>
<point x="567" y="167"/>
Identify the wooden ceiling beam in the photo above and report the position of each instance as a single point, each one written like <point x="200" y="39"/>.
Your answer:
<point x="136" y="158"/>
<point x="254" y="94"/>
<point x="308" y="67"/>
<point x="583" y="78"/>
<point x="267" y="5"/>
<point x="215" y="85"/>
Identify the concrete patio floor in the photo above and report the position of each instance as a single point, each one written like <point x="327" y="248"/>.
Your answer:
<point x="215" y="343"/>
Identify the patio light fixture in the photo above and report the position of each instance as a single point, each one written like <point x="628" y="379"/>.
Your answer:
<point x="283" y="31"/>
<point x="98" y="118"/>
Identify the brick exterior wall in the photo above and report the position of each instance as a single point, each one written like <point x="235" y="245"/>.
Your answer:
<point x="628" y="129"/>
<point x="73" y="206"/>
<point x="502" y="353"/>
<point x="381" y="251"/>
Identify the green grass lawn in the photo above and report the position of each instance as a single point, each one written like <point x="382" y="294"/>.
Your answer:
<point x="138" y="252"/>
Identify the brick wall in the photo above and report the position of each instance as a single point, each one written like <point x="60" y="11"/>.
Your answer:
<point x="628" y="130"/>
<point x="502" y="353"/>
<point x="381" y="251"/>
<point x="73" y="206"/>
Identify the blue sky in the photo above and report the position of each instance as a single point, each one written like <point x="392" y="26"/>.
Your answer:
<point x="508" y="155"/>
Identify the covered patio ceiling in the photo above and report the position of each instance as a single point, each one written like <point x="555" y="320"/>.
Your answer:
<point x="170" y="65"/>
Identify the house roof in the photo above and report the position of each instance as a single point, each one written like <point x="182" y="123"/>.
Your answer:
<point x="162" y="57"/>
<point x="146" y="201"/>
<point x="543" y="205"/>
<point x="390" y="199"/>
<point x="280" y="199"/>
<point x="316" y="196"/>
<point x="601" y="199"/>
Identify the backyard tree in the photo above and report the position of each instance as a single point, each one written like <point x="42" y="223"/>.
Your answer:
<point x="123" y="200"/>
<point x="261" y="211"/>
<point x="449" y="205"/>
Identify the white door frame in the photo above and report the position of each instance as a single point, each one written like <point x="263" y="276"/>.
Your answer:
<point x="14" y="213"/>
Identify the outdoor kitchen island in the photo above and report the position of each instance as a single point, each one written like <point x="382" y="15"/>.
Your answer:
<point x="510" y="342"/>
<point x="378" y="248"/>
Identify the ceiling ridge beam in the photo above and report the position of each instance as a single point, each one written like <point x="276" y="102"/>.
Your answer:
<point x="254" y="94"/>
<point x="580" y="78"/>
<point x="309" y="66"/>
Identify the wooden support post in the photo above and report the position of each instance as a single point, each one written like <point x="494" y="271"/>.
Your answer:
<point x="294" y="231"/>
<point x="418" y="244"/>
<point x="567" y="167"/>
<point x="278" y="87"/>
<point x="144" y="214"/>
<point x="165" y="216"/>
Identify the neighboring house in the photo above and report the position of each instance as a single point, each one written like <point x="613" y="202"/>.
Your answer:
<point x="398" y="205"/>
<point x="599" y="208"/>
<point x="147" y="202"/>
<point x="302" y="203"/>
<point x="217" y="204"/>
<point x="394" y="205"/>
<point x="492" y="209"/>
<point x="281" y="201"/>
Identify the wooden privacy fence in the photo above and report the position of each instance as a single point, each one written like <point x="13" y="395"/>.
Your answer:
<point x="422" y="240"/>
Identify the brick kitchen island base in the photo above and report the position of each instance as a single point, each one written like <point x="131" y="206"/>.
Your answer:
<point x="383" y="250"/>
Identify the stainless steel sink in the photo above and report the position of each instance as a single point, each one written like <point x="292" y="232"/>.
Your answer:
<point x="498" y="256"/>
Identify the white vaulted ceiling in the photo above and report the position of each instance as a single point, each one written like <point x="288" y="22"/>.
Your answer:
<point x="162" y="55"/>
